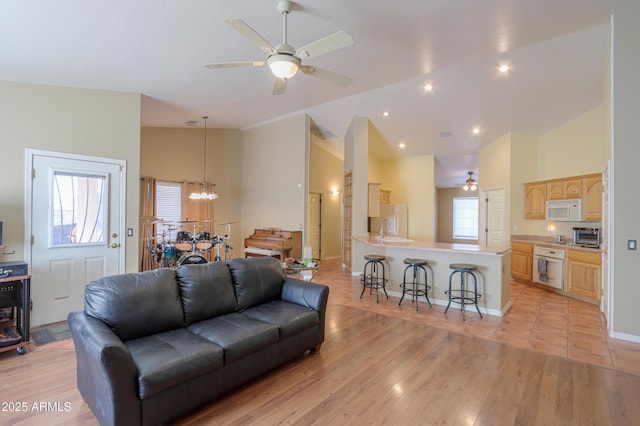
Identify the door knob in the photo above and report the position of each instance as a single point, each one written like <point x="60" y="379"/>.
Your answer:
<point x="114" y="245"/>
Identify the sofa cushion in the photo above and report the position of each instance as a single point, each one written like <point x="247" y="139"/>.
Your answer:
<point x="207" y="291"/>
<point x="136" y="304"/>
<point x="167" y="359"/>
<point x="257" y="280"/>
<point x="290" y="318"/>
<point x="238" y="335"/>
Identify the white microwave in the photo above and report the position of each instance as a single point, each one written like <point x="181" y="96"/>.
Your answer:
<point x="564" y="210"/>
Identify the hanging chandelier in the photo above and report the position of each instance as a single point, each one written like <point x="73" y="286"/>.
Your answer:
<point x="470" y="184"/>
<point x="204" y="195"/>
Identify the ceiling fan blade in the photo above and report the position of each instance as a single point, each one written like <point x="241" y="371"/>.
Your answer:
<point x="244" y="29"/>
<point x="324" y="45"/>
<point x="279" y="86"/>
<point x="330" y="76"/>
<point x="236" y="64"/>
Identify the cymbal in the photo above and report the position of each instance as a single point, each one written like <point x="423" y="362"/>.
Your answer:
<point x="227" y="223"/>
<point x="149" y="218"/>
<point x="187" y="221"/>
<point x="207" y="221"/>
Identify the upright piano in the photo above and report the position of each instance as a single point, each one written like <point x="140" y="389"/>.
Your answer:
<point x="274" y="242"/>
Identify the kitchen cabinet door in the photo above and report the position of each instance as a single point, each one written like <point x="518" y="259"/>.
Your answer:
<point x="374" y="200"/>
<point x="521" y="261"/>
<point x="564" y="189"/>
<point x="592" y="198"/>
<point x="535" y="199"/>
<point x="385" y="196"/>
<point x="584" y="274"/>
<point x="572" y="189"/>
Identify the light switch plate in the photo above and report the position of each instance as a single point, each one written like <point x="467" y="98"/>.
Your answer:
<point x="130" y="232"/>
<point x="632" y="245"/>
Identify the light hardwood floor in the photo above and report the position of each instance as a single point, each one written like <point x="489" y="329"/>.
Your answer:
<point x="387" y="364"/>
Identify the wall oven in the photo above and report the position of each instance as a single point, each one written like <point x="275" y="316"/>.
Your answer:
<point x="548" y="267"/>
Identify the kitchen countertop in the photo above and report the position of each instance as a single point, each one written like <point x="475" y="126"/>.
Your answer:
<point x="430" y="245"/>
<point x="550" y="242"/>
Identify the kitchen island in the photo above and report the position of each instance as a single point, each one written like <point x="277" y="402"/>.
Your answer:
<point x="493" y="267"/>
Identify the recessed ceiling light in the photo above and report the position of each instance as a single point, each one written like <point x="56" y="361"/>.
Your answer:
<point x="385" y="114"/>
<point x="476" y="130"/>
<point x="402" y="145"/>
<point x="428" y="87"/>
<point x="504" y="68"/>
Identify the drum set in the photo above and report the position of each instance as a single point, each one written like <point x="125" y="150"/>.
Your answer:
<point x="185" y="242"/>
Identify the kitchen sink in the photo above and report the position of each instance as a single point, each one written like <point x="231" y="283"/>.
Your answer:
<point x="390" y="239"/>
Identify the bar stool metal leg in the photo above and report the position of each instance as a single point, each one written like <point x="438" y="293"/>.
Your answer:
<point x="415" y="266"/>
<point x="463" y="295"/>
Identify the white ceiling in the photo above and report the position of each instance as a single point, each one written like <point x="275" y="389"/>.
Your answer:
<point x="557" y="50"/>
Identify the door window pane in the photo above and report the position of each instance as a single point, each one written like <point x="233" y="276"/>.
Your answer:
<point x="79" y="204"/>
<point x="465" y="218"/>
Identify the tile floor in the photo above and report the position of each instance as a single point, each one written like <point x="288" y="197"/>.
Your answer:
<point x="538" y="320"/>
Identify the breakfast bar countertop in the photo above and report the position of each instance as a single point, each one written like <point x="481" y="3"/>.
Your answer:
<point x="373" y="240"/>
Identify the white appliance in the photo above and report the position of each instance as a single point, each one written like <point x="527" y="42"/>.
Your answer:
<point x="564" y="210"/>
<point x="395" y="220"/>
<point x="548" y="266"/>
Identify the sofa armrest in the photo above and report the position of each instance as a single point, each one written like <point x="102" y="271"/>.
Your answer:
<point x="107" y="375"/>
<point x="311" y="295"/>
<point x="304" y="293"/>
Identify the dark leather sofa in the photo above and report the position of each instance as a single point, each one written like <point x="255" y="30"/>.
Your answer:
<point x="152" y="346"/>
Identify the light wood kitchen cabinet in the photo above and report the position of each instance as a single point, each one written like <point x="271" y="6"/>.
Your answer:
<point x="584" y="274"/>
<point x="385" y="196"/>
<point x="521" y="261"/>
<point x="592" y="197"/>
<point x="535" y="199"/>
<point x="564" y="189"/>
<point x="374" y="200"/>
<point x="377" y="196"/>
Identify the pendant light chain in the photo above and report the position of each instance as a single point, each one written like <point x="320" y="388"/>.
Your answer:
<point x="204" y="168"/>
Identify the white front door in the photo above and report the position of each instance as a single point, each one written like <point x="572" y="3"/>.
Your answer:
<point x="75" y="218"/>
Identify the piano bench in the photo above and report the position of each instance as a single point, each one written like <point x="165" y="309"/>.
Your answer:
<point x="260" y="252"/>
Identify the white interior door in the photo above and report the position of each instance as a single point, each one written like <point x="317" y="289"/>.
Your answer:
<point x="314" y="224"/>
<point x="75" y="231"/>
<point x="495" y="218"/>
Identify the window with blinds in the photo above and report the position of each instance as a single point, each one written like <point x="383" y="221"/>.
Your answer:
<point x="465" y="218"/>
<point x="168" y="208"/>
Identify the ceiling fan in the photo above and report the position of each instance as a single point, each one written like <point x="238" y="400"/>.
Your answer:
<point x="470" y="184"/>
<point x="284" y="60"/>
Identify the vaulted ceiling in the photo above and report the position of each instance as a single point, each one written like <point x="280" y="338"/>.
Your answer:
<point x="557" y="51"/>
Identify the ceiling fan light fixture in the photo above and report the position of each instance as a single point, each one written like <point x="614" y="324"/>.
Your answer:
<point x="283" y="66"/>
<point x="471" y="184"/>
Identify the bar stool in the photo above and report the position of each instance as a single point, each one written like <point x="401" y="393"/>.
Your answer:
<point x="463" y="295"/>
<point x="417" y="288"/>
<point x="371" y="276"/>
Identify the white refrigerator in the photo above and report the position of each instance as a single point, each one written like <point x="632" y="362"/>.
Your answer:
<point x="396" y="216"/>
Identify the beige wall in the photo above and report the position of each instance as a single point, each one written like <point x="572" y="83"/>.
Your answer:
<point x="175" y="154"/>
<point x="411" y="181"/>
<point x="274" y="186"/>
<point x="625" y="155"/>
<point x="573" y="148"/>
<point x="325" y="174"/>
<point x="445" y="214"/>
<point x="68" y="120"/>
<point x="522" y="169"/>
